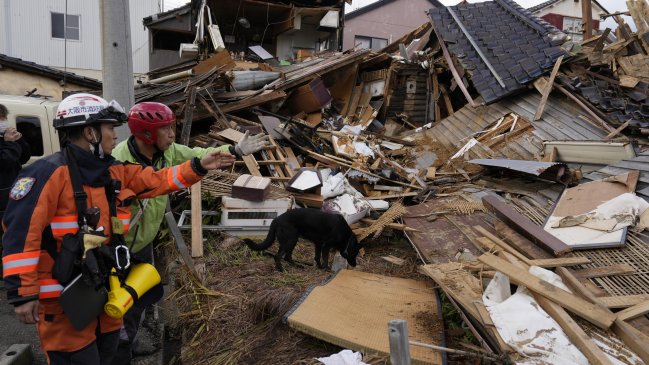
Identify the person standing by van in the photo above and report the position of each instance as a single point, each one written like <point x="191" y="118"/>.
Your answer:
<point x="14" y="152"/>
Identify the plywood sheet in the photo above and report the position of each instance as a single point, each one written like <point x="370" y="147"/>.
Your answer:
<point x="353" y="309"/>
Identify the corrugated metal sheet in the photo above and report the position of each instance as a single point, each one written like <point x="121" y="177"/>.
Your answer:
<point x="560" y="122"/>
<point x="31" y="38"/>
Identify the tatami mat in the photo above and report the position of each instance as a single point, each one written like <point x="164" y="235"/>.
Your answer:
<point x="353" y="309"/>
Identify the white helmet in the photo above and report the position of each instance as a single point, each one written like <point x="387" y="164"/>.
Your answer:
<point x="85" y="109"/>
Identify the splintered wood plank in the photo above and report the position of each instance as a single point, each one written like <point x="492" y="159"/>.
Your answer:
<point x="492" y="238"/>
<point x="583" y="341"/>
<point x="595" y="314"/>
<point x="197" y="221"/>
<point x="463" y="287"/>
<point x="548" y="89"/>
<point x="190" y="104"/>
<point x="291" y="160"/>
<point x="563" y="261"/>
<point x="623" y="301"/>
<point x="637" y="341"/>
<point x="520" y="243"/>
<point x="526" y="227"/>
<point x="352" y="104"/>
<point x="596" y="272"/>
<point x="633" y="312"/>
<point x="253" y="101"/>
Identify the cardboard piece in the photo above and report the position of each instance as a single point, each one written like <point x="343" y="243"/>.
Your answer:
<point x="584" y="198"/>
<point x="253" y="188"/>
<point x="310" y="97"/>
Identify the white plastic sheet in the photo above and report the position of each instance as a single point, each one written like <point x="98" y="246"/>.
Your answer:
<point x="344" y="357"/>
<point x="530" y="331"/>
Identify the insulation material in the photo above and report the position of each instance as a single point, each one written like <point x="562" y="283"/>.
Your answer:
<point x="350" y="207"/>
<point x="353" y="309"/>
<point x="534" y="334"/>
<point x="582" y="200"/>
<point x="618" y="213"/>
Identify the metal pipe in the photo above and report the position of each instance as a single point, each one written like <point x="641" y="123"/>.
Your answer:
<point x="171" y="77"/>
<point x="475" y="46"/>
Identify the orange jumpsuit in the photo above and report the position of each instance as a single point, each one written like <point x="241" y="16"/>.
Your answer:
<point x="42" y="205"/>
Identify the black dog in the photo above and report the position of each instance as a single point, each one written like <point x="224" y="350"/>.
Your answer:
<point x="325" y="230"/>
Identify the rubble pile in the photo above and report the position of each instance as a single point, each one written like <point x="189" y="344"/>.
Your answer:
<point x="506" y="152"/>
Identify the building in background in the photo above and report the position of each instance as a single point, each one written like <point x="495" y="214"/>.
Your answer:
<point x="286" y="30"/>
<point x="35" y="31"/>
<point x="566" y="15"/>
<point x="376" y="25"/>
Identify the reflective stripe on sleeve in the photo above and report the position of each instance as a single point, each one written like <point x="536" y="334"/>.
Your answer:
<point x="62" y="225"/>
<point x="20" y="263"/>
<point x="175" y="179"/>
<point x="49" y="288"/>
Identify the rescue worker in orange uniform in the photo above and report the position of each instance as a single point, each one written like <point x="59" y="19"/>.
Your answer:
<point x="43" y="212"/>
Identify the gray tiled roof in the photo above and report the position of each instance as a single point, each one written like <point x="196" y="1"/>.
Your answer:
<point x="50" y="72"/>
<point x="514" y="42"/>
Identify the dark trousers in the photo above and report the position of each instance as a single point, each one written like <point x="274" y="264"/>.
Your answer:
<point x="133" y="317"/>
<point x="100" y="352"/>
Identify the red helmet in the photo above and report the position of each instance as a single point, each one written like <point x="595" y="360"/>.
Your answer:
<point x="144" y="119"/>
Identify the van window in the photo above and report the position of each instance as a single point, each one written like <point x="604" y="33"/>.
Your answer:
<point x="30" y="127"/>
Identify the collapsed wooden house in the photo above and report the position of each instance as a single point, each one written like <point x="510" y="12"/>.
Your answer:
<point x="465" y="141"/>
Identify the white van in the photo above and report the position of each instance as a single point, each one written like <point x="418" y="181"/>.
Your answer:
<point x="33" y="117"/>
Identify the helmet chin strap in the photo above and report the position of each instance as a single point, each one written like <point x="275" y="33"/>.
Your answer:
<point x="95" y="147"/>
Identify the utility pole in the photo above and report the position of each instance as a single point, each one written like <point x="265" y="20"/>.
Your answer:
<point x="117" y="56"/>
<point x="586" y="19"/>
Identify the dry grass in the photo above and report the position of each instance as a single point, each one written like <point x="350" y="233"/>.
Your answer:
<point x="236" y="318"/>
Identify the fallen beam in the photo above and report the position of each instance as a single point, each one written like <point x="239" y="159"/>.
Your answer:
<point x="634" y="312"/>
<point x="560" y="262"/>
<point x="623" y="301"/>
<point x="577" y="335"/>
<point x="598" y="272"/>
<point x="593" y="313"/>
<point x="526" y="227"/>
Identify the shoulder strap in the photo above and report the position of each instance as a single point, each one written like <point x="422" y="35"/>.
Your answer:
<point x="80" y="196"/>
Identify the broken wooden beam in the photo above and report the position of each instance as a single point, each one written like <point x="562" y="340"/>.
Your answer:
<point x="526" y="227"/>
<point x="623" y="301"/>
<point x="637" y="310"/>
<point x="548" y="89"/>
<point x="189" y="111"/>
<point x="637" y="341"/>
<point x="595" y="314"/>
<point x="253" y="101"/>
<point x="559" y="262"/>
<point x="598" y="272"/>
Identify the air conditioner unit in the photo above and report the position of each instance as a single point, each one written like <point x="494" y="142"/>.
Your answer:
<point x="188" y="50"/>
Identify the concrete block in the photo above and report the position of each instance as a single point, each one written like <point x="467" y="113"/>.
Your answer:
<point x="17" y="354"/>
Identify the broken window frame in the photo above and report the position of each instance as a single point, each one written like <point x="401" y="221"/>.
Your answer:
<point x="376" y="43"/>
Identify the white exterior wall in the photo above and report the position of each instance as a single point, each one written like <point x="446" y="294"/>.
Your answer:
<point x="25" y="29"/>
<point x="569" y="8"/>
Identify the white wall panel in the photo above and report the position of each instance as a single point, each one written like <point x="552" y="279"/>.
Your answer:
<point x="31" y="37"/>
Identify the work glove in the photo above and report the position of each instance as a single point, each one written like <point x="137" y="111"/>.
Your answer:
<point x="249" y="145"/>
